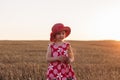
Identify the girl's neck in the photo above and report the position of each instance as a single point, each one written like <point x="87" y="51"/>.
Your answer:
<point x="61" y="41"/>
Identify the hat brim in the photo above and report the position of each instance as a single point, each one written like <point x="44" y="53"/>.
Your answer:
<point x="66" y="29"/>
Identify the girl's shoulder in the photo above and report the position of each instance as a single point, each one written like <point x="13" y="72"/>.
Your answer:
<point x="51" y="43"/>
<point x="66" y="42"/>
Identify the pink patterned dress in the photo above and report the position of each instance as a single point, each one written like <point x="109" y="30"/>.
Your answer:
<point x="59" y="70"/>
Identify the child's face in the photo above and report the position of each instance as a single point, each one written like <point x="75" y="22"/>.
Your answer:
<point x="60" y="35"/>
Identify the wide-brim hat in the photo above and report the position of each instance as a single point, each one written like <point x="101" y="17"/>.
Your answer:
<point x="58" y="27"/>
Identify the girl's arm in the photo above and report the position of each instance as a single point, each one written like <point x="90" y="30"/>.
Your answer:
<point x="49" y="58"/>
<point x="70" y="54"/>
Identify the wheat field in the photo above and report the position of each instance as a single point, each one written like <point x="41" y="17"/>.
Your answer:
<point x="25" y="60"/>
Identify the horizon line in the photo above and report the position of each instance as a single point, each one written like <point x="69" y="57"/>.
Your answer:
<point x="65" y="40"/>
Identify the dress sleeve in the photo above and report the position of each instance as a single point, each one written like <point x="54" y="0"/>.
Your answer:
<point x="67" y="44"/>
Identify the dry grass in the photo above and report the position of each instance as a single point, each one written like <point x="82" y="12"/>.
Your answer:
<point x="25" y="60"/>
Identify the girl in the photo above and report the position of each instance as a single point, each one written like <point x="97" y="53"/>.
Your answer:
<point x="59" y="54"/>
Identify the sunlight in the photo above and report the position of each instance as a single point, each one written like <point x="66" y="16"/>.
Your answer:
<point x="116" y="37"/>
<point x="107" y="24"/>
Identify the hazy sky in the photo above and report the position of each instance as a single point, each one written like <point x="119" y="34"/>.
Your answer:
<point x="33" y="19"/>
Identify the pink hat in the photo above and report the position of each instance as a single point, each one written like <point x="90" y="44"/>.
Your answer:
<point x="57" y="28"/>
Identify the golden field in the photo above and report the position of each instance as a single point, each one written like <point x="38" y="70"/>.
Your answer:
<point x="25" y="60"/>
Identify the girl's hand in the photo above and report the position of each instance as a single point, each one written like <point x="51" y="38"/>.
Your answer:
<point x="62" y="58"/>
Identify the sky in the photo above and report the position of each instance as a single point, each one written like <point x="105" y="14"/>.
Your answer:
<point x="33" y="19"/>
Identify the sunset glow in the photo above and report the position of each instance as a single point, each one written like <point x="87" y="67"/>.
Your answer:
<point x="32" y="20"/>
